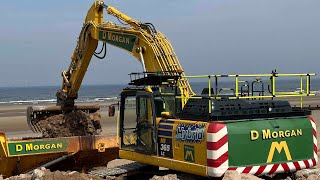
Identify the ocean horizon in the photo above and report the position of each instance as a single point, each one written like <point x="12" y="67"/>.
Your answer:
<point x="111" y="92"/>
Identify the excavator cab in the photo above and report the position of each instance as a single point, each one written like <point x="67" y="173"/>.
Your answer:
<point x="141" y="103"/>
<point x="137" y="121"/>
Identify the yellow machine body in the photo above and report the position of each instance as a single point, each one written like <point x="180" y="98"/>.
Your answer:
<point x="23" y="155"/>
<point x="193" y="161"/>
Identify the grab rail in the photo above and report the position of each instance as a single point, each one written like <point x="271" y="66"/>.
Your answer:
<point x="303" y="90"/>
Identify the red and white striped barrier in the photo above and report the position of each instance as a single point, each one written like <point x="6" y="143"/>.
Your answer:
<point x="217" y="149"/>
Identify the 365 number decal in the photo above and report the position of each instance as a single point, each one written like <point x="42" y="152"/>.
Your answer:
<point x="165" y="147"/>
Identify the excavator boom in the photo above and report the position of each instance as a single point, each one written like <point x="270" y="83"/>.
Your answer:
<point x="142" y="40"/>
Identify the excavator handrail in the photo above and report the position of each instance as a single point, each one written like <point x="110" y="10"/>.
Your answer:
<point x="272" y="94"/>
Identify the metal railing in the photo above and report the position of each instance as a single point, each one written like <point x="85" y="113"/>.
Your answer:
<point x="304" y="90"/>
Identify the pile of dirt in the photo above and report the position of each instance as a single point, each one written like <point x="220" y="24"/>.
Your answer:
<point x="235" y="175"/>
<point x="305" y="174"/>
<point x="45" y="174"/>
<point x="165" y="177"/>
<point x="308" y="174"/>
<point x="77" y="123"/>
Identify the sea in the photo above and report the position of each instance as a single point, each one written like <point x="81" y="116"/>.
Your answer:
<point x="110" y="93"/>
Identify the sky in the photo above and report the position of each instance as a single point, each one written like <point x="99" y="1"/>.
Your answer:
<point x="209" y="37"/>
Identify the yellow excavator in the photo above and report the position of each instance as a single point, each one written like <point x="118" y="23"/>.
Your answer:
<point x="163" y="123"/>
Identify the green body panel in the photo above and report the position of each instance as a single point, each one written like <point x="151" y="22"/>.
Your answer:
<point x="35" y="147"/>
<point x="117" y="39"/>
<point x="269" y="141"/>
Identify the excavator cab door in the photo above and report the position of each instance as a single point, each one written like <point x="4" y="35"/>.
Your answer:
<point x="137" y="122"/>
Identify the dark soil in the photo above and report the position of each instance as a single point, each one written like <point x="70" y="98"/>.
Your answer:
<point x="77" y="123"/>
<point x="46" y="174"/>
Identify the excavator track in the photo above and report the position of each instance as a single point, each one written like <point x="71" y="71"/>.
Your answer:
<point x="35" y="114"/>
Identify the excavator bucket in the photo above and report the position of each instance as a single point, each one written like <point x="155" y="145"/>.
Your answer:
<point x="37" y="113"/>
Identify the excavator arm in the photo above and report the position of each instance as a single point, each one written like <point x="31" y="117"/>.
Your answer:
<point x="142" y="40"/>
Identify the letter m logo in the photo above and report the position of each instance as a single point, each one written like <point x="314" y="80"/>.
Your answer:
<point x="189" y="153"/>
<point x="279" y="147"/>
